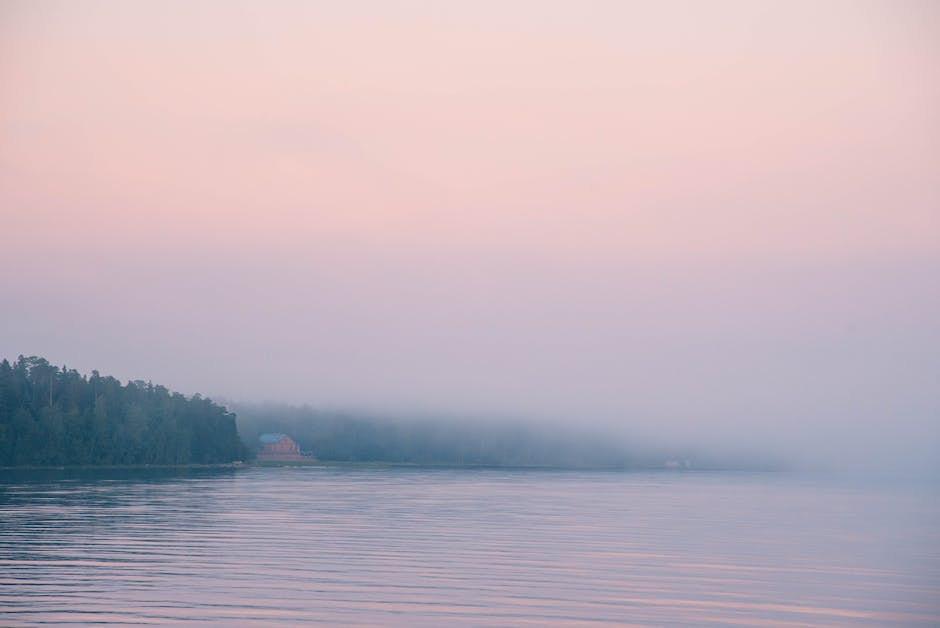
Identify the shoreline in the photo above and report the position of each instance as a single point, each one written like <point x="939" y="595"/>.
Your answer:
<point x="95" y="467"/>
<point x="379" y="465"/>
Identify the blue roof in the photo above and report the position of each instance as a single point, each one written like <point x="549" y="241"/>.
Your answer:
<point x="267" y="439"/>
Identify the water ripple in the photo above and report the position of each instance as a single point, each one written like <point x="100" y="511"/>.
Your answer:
<point x="265" y="547"/>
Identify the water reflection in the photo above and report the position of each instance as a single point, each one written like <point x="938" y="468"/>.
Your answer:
<point x="407" y="546"/>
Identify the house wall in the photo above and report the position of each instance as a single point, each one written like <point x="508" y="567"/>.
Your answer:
<point x="284" y="446"/>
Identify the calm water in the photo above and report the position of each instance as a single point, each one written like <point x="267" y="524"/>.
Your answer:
<point x="266" y="547"/>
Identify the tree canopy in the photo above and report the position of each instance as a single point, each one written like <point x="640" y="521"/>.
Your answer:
<point x="342" y="437"/>
<point x="52" y="416"/>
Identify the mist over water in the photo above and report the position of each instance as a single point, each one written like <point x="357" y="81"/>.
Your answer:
<point x="616" y="312"/>
<point x="708" y="226"/>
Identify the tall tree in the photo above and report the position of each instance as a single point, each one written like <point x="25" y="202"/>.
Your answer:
<point x="56" y="416"/>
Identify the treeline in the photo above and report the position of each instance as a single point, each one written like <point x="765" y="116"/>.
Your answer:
<point x="341" y="437"/>
<point x="57" y="416"/>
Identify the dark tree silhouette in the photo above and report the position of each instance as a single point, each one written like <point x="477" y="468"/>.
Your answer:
<point x="56" y="416"/>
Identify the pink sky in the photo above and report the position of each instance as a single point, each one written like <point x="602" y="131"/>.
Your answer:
<point x="683" y="213"/>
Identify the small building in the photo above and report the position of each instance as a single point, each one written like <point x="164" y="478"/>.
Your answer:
<point x="280" y="448"/>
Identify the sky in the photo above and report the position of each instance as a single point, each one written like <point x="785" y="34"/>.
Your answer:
<point x="679" y="220"/>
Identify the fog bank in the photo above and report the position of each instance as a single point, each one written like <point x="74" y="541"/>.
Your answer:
<point x="699" y="225"/>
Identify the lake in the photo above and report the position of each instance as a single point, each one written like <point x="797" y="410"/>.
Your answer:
<point x="442" y="547"/>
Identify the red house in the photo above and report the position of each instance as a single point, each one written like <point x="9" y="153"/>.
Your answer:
<point x="280" y="447"/>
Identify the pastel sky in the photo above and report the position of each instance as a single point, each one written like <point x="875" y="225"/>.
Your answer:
<point x="676" y="218"/>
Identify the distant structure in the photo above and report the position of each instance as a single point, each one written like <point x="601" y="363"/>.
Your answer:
<point x="280" y="448"/>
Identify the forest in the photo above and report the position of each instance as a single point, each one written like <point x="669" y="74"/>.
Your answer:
<point x="333" y="435"/>
<point x="51" y="416"/>
<point x="348" y="437"/>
